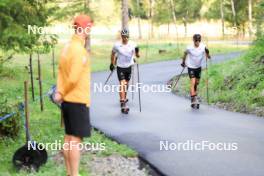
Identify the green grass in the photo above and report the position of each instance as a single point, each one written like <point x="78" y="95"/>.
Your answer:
<point x="100" y="56"/>
<point x="237" y="84"/>
<point x="45" y="126"/>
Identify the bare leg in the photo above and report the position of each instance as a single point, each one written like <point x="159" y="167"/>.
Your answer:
<point x="193" y="91"/>
<point x="122" y="91"/>
<point x="126" y="88"/>
<point x="74" y="155"/>
<point x="66" y="154"/>
<point x="196" y="85"/>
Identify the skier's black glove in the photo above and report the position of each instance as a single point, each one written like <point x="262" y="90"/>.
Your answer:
<point x="112" y="67"/>
<point x="208" y="53"/>
<point x="183" y="64"/>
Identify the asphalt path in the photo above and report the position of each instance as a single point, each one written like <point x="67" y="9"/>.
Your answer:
<point x="166" y="126"/>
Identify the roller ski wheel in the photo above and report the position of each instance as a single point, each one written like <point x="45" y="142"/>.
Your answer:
<point x="195" y="103"/>
<point x="195" y="106"/>
<point x="124" y="108"/>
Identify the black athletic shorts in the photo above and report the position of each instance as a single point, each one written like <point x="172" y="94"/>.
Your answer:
<point x="123" y="73"/>
<point x="195" y="72"/>
<point x="76" y="119"/>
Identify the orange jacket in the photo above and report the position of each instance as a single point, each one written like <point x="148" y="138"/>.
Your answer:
<point x="74" y="72"/>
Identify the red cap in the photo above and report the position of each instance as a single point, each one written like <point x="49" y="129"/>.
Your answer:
<point x="82" y="21"/>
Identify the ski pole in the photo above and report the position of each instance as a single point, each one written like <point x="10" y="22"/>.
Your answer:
<point x="133" y="81"/>
<point x="207" y="77"/>
<point x="139" y="98"/>
<point x="176" y="82"/>
<point x="207" y="86"/>
<point x="108" y="77"/>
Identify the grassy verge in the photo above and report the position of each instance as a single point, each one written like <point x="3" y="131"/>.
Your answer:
<point x="236" y="85"/>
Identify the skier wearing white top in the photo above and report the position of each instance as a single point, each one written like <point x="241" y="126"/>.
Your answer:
<point x="196" y="53"/>
<point x="122" y="56"/>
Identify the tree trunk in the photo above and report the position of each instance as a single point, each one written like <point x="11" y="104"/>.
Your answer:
<point x="258" y="28"/>
<point x="86" y="5"/>
<point x="168" y="29"/>
<point x="244" y="30"/>
<point x="234" y="12"/>
<point x="139" y="25"/>
<point x="185" y="27"/>
<point x="250" y="26"/>
<point x="151" y="2"/>
<point x="222" y="18"/>
<point x="172" y="7"/>
<point x="88" y="44"/>
<point x="125" y="14"/>
<point x="234" y="18"/>
<point x="139" y="29"/>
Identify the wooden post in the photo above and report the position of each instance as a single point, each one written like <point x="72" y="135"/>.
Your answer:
<point x="40" y="85"/>
<point x="26" y="109"/>
<point x="31" y="77"/>
<point x="53" y="62"/>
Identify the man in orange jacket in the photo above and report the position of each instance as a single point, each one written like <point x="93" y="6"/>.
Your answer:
<point x="73" y="92"/>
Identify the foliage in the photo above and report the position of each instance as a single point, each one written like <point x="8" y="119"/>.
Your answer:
<point x="15" y="16"/>
<point x="162" y="13"/>
<point x="259" y="17"/>
<point x="188" y="10"/>
<point x="139" y="8"/>
<point x="10" y="127"/>
<point x="214" y="10"/>
<point x="241" y="8"/>
<point x="64" y="11"/>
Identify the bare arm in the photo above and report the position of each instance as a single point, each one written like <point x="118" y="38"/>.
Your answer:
<point x="184" y="56"/>
<point x="113" y="58"/>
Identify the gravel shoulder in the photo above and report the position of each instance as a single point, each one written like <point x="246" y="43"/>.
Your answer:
<point x="113" y="165"/>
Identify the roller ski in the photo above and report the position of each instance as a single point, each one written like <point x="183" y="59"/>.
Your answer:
<point x="124" y="108"/>
<point x="195" y="104"/>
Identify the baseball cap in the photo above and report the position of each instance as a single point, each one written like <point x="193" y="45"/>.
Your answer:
<point x="82" y="21"/>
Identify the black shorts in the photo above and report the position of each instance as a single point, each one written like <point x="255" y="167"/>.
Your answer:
<point x="123" y="73"/>
<point x="76" y="119"/>
<point x="195" y="72"/>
